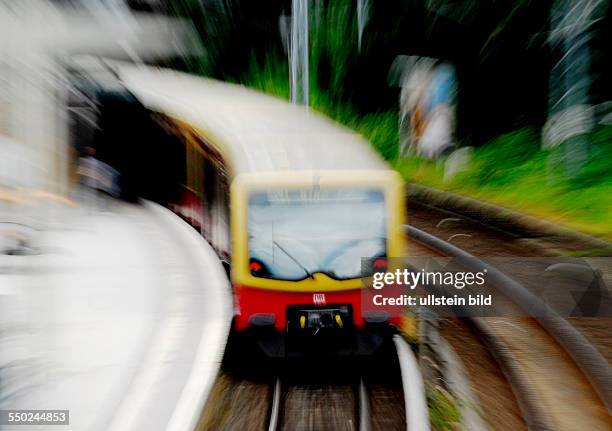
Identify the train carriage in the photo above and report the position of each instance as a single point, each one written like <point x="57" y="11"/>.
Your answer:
<point x="295" y="203"/>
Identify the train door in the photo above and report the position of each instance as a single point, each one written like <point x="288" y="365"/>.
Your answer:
<point x="216" y="204"/>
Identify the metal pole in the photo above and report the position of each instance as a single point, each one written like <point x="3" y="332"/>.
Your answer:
<point x="298" y="54"/>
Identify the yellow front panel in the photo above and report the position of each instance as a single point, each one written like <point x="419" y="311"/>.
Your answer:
<point x="388" y="181"/>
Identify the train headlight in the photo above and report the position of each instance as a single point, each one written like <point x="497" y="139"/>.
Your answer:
<point x="257" y="268"/>
<point x="380" y="264"/>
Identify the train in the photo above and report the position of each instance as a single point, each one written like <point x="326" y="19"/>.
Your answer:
<point x="298" y="208"/>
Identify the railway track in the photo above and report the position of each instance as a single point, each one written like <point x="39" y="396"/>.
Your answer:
<point x="549" y="364"/>
<point x="386" y="393"/>
<point x="488" y="238"/>
<point x="319" y="405"/>
<point x="381" y="393"/>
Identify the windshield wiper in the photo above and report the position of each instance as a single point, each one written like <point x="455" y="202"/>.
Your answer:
<point x="293" y="259"/>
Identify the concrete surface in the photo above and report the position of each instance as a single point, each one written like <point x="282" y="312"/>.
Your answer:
<point x="121" y="318"/>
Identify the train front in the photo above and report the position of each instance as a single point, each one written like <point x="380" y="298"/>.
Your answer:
<point x="301" y="246"/>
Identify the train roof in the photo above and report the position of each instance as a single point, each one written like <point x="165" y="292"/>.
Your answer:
<point x="257" y="132"/>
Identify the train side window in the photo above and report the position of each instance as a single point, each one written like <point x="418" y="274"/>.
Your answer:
<point x="216" y="212"/>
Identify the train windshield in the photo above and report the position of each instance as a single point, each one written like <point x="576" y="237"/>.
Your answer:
<point x="295" y="234"/>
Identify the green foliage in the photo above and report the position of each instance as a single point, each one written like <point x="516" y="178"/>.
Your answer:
<point x="270" y="77"/>
<point x="443" y="412"/>
<point x="598" y="165"/>
<point x="333" y="47"/>
<point x="501" y="160"/>
<point x="514" y="171"/>
<point x="381" y="129"/>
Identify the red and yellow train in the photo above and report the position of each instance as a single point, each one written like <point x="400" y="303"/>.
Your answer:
<point x="297" y="206"/>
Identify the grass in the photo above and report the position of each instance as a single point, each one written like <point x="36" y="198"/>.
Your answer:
<point x="443" y="412"/>
<point x="513" y="171"/>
